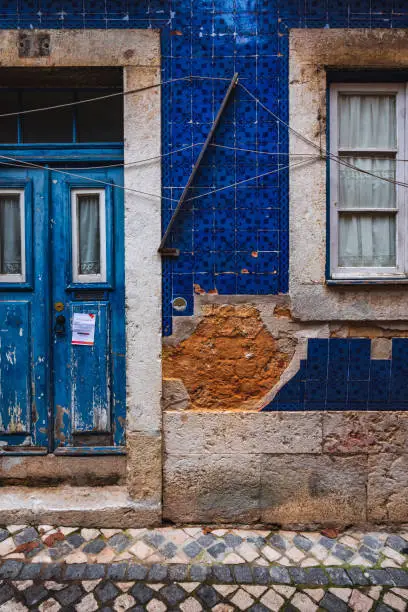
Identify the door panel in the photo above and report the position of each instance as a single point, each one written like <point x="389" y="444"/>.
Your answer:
<point x="91" y="372"/>
<point x="15" y="371"/>
<point x="88" y="253"/>
<point x="24" y="311"/>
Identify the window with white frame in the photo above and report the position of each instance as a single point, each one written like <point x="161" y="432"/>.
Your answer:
<point x="368" y="217"/>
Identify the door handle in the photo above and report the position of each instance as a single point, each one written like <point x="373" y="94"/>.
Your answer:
<point x="59" y="327"/>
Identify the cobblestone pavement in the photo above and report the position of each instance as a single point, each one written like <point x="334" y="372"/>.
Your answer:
<point x="47" y="568"/>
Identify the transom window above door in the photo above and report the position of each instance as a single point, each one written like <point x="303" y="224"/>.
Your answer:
<point x="94" y="121"/>
<point x="368" y="201"/>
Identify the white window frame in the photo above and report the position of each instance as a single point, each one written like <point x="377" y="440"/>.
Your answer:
<point x="88" y="278"/>
<point x="17" y="278"/>
<point x="401" y="267"/>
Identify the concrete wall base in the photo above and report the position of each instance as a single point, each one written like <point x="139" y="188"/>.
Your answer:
<point x="72" y="506"/>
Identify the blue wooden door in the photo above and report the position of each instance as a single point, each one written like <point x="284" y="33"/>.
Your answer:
<point x="88" y="279"/>
<point x="25" y="376"/>
<point x="61" y="254"/>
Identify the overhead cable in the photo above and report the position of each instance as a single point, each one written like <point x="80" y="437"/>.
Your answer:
<point x="16" y="163"/>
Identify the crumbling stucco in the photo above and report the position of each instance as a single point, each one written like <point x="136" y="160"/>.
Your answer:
<point x="231" y="359"/>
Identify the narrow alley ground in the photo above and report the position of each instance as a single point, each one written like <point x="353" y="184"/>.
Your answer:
<point x="48" y="568"/>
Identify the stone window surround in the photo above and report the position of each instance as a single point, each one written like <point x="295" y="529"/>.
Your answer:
<point x="311" y="53"/>
<point x="138" y="53"/>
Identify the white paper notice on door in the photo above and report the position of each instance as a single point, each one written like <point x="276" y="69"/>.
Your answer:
<point x="83" y="328"/>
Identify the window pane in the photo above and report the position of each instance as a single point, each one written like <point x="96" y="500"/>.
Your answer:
<point x="51" y="125"/>
<point x="8" y="125"/>
<point x="367" y="240"/>
<point x="100" y="121"/>
<point x="359" y="190"/>
<point x="10" y="234"/>
<point x="89" y="260"/>
<point x="367" y="121"/>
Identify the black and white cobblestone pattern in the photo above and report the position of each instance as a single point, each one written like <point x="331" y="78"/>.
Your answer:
<point x="119" y="596"/>
<point x="49" y="568"/>
<point x="47" y="543"/>
<point x="12" y="569"/>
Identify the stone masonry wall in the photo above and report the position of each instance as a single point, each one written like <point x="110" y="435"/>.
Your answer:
<point x="287" y="469"/>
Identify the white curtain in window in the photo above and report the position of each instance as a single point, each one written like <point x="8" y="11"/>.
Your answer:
<point x="369" y="239"/>
<point x="367" y="121"/>
<point x="359" y="190"/>
<point x="89" y="237"/>
<point x="366" y="240"/>
<point x="10" y="235"/>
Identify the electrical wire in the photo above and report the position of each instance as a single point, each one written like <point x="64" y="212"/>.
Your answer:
<point x="15" y="163"/>
<point x="252" y="178"/>
<point x="88" y="100"/>
<point x="107" y="96"/>
<point x="132" y="163"/>
<point x="324" y="154"/>
<point x="25" y="164"/>
<point x="197" y="144"/>
<point x="258" y="152"/>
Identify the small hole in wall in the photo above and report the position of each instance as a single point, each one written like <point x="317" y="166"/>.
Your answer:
<point x="179" y="304"/>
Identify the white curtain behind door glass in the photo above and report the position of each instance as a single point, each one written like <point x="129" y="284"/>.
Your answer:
<point x="367" y="121"/>
<point x="369" y="239"/>
<point x="88" y="234"/>
<point x="10" y="235"/>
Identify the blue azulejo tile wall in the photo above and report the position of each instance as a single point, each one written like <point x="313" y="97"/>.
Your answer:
<point x="339" y="374"/>
<point x="233" y="240"/>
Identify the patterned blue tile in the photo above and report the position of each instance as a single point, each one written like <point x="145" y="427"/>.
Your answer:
<point x="338" y="358"/>
<point x="317" y="359"/>
<point x="359" y="365"/>
<point x="327" y="387"/>
<point x="400" y="357"/>
<point x="226" y="284"/>
<point x="357" y="391"/>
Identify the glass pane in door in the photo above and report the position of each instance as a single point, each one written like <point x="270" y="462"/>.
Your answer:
<point x="10" y="235"/>
<point x="89" y="250"/>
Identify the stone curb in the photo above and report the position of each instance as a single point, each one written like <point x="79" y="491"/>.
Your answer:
<point x="12" y="569"/>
